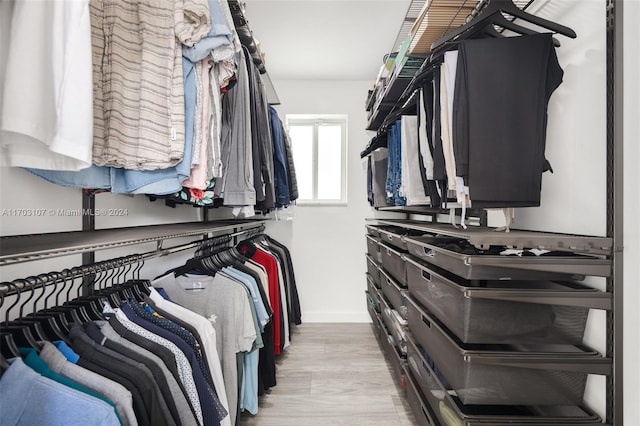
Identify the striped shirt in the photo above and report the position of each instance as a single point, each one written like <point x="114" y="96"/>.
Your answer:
<point x="138" y="81"/>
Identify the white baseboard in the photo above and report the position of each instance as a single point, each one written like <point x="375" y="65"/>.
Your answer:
<point x="323" y="316"/>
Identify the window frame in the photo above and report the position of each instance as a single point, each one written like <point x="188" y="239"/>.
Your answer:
<point x="317" y="120"/>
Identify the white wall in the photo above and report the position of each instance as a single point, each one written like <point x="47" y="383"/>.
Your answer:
<point x="327" y="242"/>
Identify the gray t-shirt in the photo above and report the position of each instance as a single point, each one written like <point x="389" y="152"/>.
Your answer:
<point x="224" y="302"/>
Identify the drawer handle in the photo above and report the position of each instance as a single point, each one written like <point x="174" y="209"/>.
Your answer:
<point x="390" y="237"/>
<point x="389" y="282"/>
<point x="426" y="275"/>
<point x="428" y="252"/>
<point x="426" y="321"/>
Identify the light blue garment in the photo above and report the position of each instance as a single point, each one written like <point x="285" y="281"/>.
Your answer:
<point x="68" y="353"/>
<point x="249" y="391"/>
<point x="33" y="360"/>
<point x="27" y="398"/>
<point x="252" y="285"/>
<point x="248" y="396"/>
<point x="219" y="35"/>
<point x="96" y="177"/>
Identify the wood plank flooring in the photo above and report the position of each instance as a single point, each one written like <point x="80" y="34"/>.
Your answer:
<point x="333" y="374"/>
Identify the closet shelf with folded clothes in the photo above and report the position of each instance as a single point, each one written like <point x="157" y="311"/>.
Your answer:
<point x="24" y="248"/>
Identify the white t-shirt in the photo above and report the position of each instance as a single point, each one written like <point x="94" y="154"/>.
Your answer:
<point x="47" y="107"/>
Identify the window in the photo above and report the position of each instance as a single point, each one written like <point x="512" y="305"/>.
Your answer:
<point x="319" y="145"/>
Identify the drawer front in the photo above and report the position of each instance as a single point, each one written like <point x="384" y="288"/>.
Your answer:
<point x="496" y="267"/>
<point x="474" y="317"/>
<point x="396" y="240"/>
<point x="373" y="248"/>
<point x="394" y="263"/>
<point x="373" y="271"/>
<point x="397" y="330"/>
<point x="500" y="375"/>
<point x="372" y="291"/>
<point x="420" y="408"/>
<point x="392" y="291"/>
<point x="372" y="230"/>
<point x="394" y="358"/>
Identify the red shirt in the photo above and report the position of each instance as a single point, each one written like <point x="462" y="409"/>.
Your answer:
<point x="271" y="266"/>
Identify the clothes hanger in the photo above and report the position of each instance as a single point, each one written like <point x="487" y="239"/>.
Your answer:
<point x="39" y="323"/>
<point x="124" y="289"/>
<point x="137" y="286"/>
<point x="57" y="309"/>
<point x="142" y="287"/>
<point x="76" y="311"/>
<point x="51" y="321"/>
<point x="13" y="335"/>
<point x="490" y="15"/>
<point x="88" y="306"/>
<point x="502" y="22"/>
<point x="112" y="292"/>
<point x="8" y="348"/>
<point x="32" y="325"/>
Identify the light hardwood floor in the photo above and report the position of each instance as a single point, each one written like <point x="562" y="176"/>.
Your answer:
<point x="333" y="374"/>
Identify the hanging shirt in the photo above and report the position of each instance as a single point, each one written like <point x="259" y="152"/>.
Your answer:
<point x="206" y="333"/>
<point x="198" y="179"/>
<point x="114" y="391"/>
<point x="186" y="412"/>
<point x="280" y="176"/>
<point x="27" y="398"/>
<point x="225" y="303"/>
<point x="184" y="367"/>
<point x="237" y="188"/>
<point x="33" y="360"/>
<point x="208" y="402"/>
<point x="140" y="126"/>
<point x="45" y="111"/>
<point x="271" y="267"/>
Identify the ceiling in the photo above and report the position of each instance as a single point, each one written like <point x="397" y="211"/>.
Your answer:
<point x="325" y="39"/>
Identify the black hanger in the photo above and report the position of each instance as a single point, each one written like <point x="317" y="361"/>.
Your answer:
<point x="490" y="15"/>
<point x="500" y="21"/>
<point x="51" y="321"/>
<point x="62" y="313"/>
<point x="14" y="334"/>
<point x="137" y="287"/>
<point x="23" y="321"/>
<point x="82" y="310"/>
<point x="8" y="348"/>
<point x="193" y="264"/>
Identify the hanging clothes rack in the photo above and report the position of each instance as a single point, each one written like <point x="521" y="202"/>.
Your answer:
<point x="42" y="280"/>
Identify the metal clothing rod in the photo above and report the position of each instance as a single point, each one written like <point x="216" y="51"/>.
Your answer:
<point x="34" y="282"/>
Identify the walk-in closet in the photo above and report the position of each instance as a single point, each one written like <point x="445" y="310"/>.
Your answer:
<point x="319" y="212"/>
